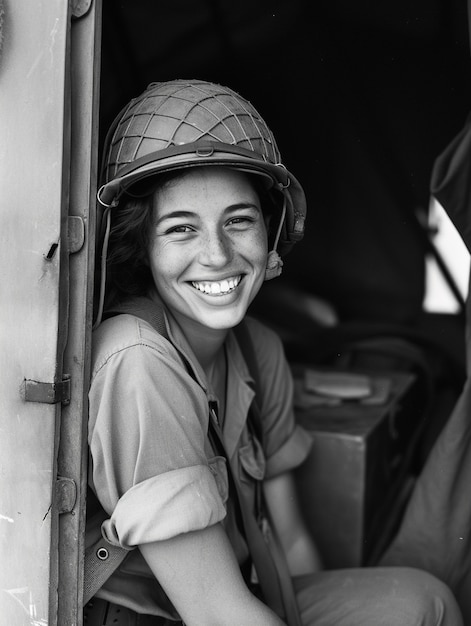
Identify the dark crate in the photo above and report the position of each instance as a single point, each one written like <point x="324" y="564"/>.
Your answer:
<point x="355" y="482"/>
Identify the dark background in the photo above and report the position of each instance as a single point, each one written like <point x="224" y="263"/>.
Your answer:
<point x="362" y="97"/>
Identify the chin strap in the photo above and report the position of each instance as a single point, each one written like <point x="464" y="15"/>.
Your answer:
<point x="274" y="262"/>
<point x="104" y="252"/>
<point x="274" y="265"/>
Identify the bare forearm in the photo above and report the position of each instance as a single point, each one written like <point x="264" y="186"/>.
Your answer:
<point x="299" y="547"/>
<point x="201" y="576"/>
<point x="303" y="557"/>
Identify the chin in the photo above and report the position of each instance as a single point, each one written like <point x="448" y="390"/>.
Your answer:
<point x="222" y="321"/>
<point x="222" y="324"/>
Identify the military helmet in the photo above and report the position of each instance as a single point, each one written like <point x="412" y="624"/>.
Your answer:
<point x="188" y="123"/>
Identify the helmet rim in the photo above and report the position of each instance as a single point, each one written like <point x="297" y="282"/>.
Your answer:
<point x="191" y="155"/>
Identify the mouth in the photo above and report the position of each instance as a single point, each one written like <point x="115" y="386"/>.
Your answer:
<point x="217" y="287"/>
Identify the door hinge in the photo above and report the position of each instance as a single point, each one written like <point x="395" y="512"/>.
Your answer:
<point x="75" y="233"/>
<point x="66" y="494"/>
<point x="49" y="393"/>
<point x="80" y="7"/>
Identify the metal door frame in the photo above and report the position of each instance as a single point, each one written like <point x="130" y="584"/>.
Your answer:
<point x="49" y="74"/>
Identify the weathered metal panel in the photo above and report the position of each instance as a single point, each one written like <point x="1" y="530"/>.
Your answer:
<point x="34" y="170"/>
<point x="72" y="461"/>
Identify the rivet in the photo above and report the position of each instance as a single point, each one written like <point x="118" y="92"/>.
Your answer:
<point x="102" y="554"/>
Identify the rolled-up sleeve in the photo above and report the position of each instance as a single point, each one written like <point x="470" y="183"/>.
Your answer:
<point x="165" y="506"/>
<point x="147" y="432"/>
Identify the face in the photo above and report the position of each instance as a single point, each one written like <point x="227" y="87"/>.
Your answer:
<point x="208" y="249"/>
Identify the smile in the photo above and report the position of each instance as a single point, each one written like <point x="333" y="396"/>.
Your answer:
<point x="217" y="288"/>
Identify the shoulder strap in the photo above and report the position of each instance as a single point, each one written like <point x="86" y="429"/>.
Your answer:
<point x="268" y="534"/>
<point x="246" y="345"/>
<point x="266" y="552"/>
<point x="245" y="342"/>
<point x="102" y="558"/>
<point x="144" y="308"/>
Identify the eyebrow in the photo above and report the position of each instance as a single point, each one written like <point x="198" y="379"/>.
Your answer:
<point x="241" y="205"/>
<point x="175" y="215"/>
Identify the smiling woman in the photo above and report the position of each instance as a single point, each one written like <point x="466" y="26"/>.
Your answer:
<point x="209" y="231"/>
<point x="202" y="228"/>
<point x="191" y="427"/>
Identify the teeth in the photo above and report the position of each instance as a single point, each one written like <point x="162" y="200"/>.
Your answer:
<point x="218" y="287"/>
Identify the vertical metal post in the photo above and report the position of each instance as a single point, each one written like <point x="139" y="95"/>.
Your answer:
<point x="72" y="460"/>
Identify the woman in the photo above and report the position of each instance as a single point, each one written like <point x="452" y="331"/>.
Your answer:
<point x="192" y="435"/>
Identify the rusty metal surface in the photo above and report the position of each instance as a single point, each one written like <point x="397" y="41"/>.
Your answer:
<point x="47" y="393"/>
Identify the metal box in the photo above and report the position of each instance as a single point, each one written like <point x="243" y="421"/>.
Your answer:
<point x="354" y="484"/>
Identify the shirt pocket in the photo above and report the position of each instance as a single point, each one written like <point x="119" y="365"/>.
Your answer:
<point x="218" y="468"/>
<point x="252" y="460"/>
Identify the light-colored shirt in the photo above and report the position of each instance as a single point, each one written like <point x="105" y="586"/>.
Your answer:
<point x="152" y="465"/>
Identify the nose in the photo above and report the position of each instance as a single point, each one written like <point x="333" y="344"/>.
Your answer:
<point x="216" y="249"/>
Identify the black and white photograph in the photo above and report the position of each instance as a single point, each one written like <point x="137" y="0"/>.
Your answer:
<point x="235" y="332"/>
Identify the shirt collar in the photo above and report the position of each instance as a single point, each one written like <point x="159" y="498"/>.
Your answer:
<point x="240" y="389"/>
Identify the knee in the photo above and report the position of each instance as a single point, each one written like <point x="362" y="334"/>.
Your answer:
<point x="429" y="599"/>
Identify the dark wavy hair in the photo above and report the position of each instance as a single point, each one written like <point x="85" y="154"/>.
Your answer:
<point x="127" y="269"/>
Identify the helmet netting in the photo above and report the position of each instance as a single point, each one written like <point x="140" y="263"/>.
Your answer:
<point x="181" y="112"/>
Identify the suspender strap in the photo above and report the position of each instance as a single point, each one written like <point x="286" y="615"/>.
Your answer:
<point x="291" y="609"/>
<point x="269" y="535"/>
<point x="101" y="560"/>
<point x="263" y="563"/>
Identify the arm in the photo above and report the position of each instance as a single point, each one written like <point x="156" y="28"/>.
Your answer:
<point x="201" y="576"/>
<point x="300" y="550"/>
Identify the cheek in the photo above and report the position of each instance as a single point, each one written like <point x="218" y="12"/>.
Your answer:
<point x="259" y="247"/>
<point x="163" y="265"/>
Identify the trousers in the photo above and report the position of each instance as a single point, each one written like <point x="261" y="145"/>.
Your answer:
<point x="369" y="596"/>
<point x="375" y="596"/>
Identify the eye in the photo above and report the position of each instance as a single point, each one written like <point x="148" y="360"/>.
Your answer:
<point x="183" y="228"/>
<point x="242" y="221"/>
